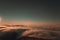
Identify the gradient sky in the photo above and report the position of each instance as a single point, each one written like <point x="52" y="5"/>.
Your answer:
<point x="33" y="10"/>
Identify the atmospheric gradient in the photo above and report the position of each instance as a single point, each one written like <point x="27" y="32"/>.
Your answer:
<point x="29" y="19"/>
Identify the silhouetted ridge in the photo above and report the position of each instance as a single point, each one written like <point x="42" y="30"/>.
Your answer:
<point x="11" y="35"/>
<point x="32" y="38"/>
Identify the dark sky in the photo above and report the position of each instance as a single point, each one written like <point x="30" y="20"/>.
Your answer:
<point x="34" y="10"/>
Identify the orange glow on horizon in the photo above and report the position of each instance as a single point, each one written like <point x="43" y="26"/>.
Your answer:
<point x="13" y="22"/>
<point x="32" y="23"/>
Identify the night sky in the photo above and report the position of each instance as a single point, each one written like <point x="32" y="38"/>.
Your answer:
<point x="30" y="10"/>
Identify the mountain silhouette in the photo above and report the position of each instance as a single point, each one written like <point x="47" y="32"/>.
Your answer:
<point x="11" y="35"/>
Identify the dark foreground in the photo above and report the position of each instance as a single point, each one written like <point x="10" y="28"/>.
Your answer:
<point x="17" y="35"/>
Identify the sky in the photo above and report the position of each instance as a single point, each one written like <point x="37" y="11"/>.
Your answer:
<point x="30" y="10"/>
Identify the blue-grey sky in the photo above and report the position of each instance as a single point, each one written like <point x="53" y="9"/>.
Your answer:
<point x="34" y="10"/>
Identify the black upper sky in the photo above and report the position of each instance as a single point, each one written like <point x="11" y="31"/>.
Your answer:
<point x="39" y="10"/>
